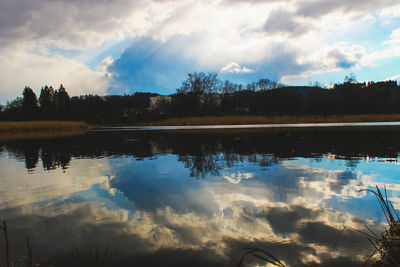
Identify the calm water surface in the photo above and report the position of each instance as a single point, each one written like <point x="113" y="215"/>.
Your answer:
<point x="198" y="198"/>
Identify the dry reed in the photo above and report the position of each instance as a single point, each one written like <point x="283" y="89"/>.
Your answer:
<point x="237" y="120"/>
<point x="33" y="126"/>
<point x="387" y="243"/>
<point x="261" y="255"/>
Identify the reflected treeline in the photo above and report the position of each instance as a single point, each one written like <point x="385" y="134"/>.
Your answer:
<point x="52" y="154"/>
<point x="207" y="152"/>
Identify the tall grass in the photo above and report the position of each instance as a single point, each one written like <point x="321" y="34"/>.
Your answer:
<point x="30" y="126"/>
<point x="387" y="243"/>
<point x="96" y="259"/>
<point x="261" y="255"/>
<point x="236" y="120"/>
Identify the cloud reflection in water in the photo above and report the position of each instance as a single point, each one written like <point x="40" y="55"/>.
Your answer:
<point x="154" y="212"/>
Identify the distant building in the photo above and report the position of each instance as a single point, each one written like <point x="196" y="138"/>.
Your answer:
<point x="155" y="101"/>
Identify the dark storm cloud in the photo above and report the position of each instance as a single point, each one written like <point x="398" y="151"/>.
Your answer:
<point x="317" y="8"/>
<point x="342" y="60"/>
<point x="282" y="21"/>
<point x="342" y="180"/>
<point x="251" y="2"/>
<point x="84" y="236"/>
<point x="285" y="220"/>
<point x="291" y="252"/>
<point x="71" y="21"/>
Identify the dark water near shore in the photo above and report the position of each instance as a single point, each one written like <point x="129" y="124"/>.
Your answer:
<point x="198" y="198"/>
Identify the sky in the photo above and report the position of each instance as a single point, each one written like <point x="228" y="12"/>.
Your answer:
<point x="125" y="46"/>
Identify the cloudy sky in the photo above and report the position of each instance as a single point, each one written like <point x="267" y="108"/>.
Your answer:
<point x="125" y="46"/>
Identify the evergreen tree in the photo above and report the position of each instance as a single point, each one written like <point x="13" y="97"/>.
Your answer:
<point x="61" y="102"/>
<point x="46" y="101"/>
<point x="29" y="103"/>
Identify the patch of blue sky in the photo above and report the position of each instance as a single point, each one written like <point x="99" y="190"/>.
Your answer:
<point x="156" y="184"/>
<point x="112" y="49"/>
<point x="164" y="168"/>
<point x="92" y="57"/>
<point x="98" y="193"/>
<point x="238" y="78"/>
<point x="366" y="207"/>
<point x="151" y="66"/>
<point x="370" y="34"/>
<point x="245" y="171"/>
<point x="386" y="68"/>
<point x="325" y="78"/>
<point x="246" y="78"/>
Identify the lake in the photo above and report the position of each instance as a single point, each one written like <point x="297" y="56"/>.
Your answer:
<point x="197" y="197"/>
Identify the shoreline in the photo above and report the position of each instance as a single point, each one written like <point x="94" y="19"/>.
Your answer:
<point x="289" y="119"/>
<point x="36" y="127"/>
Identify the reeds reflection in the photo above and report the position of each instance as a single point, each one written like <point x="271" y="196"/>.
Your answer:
<point x="288" y="192"/>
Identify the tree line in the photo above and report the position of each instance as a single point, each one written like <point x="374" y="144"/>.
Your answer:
<point x="204" y="94"/>
<point x="53" y="104"/>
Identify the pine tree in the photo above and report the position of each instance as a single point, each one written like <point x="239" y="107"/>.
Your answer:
<point x="29" y="104"/>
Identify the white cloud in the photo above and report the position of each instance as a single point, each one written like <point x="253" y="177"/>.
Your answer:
<point x="259" y="34"/>
<point x="103" y="67"/>
<point x="394" y="37"/>
<point x="236" y="178"/>
<point x="277" y="209"/>
<point x="329" y="58"/>
<point x="235" y="68"/>
<point x="21" y="68"/>
<point x="393" y="78"/>
<point x="371" y="58"/>
<point x="41" y="186"/>
<point x="391" y="12"/>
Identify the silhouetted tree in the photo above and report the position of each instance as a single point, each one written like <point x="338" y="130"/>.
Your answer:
<point x="14" y="104"/>
<point x="350" y="78"/>
<point x="201" y="92"/>
<point x="265" y="84"/>
<point x="229" y="88"/>
<point x="61" y="99"/>
<point x="1" y="112"/>
<point x="204" y="94"/>
<point x="29" y="103"/>
<point x="46" y="101"/>
<point x="201" y="83"/>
